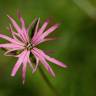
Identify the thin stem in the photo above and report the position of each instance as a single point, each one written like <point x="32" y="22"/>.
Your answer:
<point x="55" y="91"/>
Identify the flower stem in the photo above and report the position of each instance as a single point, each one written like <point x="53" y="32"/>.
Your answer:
<point x="55" y="91"/>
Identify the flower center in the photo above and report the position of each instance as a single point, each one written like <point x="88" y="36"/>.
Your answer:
<point x="29" y="46"/>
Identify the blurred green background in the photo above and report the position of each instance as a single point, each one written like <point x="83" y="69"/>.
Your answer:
<point x="76" y="47"/>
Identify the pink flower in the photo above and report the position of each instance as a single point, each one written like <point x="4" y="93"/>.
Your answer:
<point x="22" y="43"/>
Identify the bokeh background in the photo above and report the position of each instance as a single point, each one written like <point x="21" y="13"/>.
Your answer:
<point x="75" y="46"/>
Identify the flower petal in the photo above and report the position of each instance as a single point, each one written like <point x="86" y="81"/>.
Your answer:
<point x="10" y="39"/>
<point x="30" y="26"/>
<point x="36" y="30"/>
<point x="41" y="41"/>
<point x="43" y="61"/>
<point x="15" y="35"/>
<point x="46" y="33"/>
<point x="14" y="24"/>
<point x="30" y="64"/>
<point x="37" y="62"/>
<point x="18" y="29"/>
<point x="10" y="45"/>
<point x="25" y="61"/>
<point x="53" y="60"/>
<point x="24" y="31"/>
<point x="10" y="52"/>
<point x="50" y="30"/>
<point x="41" y="30"/>
<point x="18" y="63"/>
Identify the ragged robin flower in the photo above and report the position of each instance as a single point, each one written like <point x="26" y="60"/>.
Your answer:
<point x="25" y="46"/>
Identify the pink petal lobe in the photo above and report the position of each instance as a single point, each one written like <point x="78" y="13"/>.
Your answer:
<point x="10" y="39"/>
<point x="18" y="63"/>
<point x="50" y="30"/>
<point x="46" y="33"/>
<point x="53" y="60"/>
<point x="41" y="41"/>
<point x="36" y="29"/>
<point x="7" y="53"/>
<point x="37" y="62"/>
<point x="46" y="65"/>
<point x="25" y="61"/>
<point x="15" y="35"/>
<point x="10" y="45"/>
<point x="43" y="61"/>
<point x="30" y="26"/>
<point x="24" y="31"/>
<point x="14" y="24"/>
<point x="18" y="29"/>
<point x="21" y="19"/>
<point x="30" y="65"/>
<point x="41" y="30"/>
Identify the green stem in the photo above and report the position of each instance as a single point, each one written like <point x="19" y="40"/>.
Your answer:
<point x="54" y="90"/>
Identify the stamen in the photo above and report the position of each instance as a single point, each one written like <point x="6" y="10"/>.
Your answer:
<point x="29" y="46"/>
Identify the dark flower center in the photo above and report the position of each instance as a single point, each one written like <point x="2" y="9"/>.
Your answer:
<point x="29" y="46"/>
